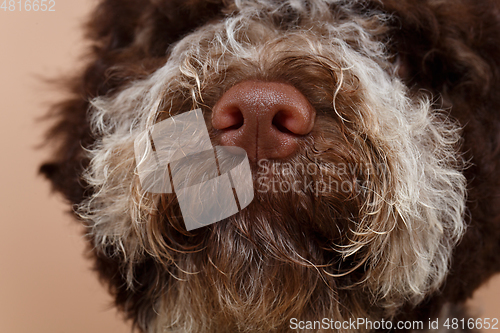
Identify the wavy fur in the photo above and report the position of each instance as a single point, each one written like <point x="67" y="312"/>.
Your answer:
<point x="374" y="250"/>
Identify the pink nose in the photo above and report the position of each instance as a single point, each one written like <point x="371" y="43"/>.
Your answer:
<point x="265" y="118"/>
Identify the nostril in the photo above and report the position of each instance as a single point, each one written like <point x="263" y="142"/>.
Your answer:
<point x="280" y="121"/>
<point x="295" y="119"/>
<point x="232" y="119"/>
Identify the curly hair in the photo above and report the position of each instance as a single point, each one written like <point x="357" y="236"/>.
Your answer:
<point x="403" y="95"/>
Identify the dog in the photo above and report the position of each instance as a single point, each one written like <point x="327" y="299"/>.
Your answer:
<point x="371" y="131"/>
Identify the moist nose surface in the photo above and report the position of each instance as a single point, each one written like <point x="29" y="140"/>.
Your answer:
<point x="264" y="118"/>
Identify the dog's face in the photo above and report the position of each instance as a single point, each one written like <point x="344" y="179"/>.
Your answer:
<point x="358" y="187"/>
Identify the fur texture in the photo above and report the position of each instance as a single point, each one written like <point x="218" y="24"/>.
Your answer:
<point x="403" y="94"/>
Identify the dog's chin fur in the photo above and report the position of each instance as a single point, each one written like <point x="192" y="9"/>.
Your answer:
<point x="372" y="233"/>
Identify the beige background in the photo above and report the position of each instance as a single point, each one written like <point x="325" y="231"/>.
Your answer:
<point x="45" y="284"/>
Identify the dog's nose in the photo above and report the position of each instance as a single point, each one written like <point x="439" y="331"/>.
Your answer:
<point x="265" y="118"/>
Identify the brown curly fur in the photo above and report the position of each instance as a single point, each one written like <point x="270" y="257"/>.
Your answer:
<point x="448" y="48"/>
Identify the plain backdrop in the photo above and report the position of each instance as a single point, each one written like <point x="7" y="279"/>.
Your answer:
<point x="46" y="285"/>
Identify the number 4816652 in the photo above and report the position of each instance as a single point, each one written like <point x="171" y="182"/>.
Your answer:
<point x="29" y="5"/>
